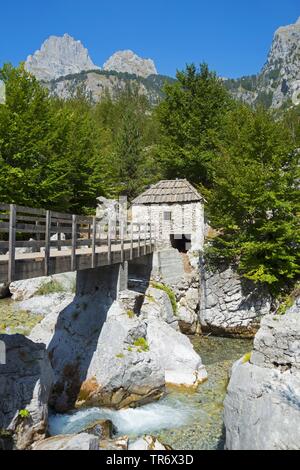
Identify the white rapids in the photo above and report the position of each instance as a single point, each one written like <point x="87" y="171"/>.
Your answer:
<point x="154" y="417"/>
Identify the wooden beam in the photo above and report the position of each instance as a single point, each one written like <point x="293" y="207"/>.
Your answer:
<point x="109" y="242"/>
<point x="74" y="239"/>
<point x="122" y="230"/>
<point x="47" y="242"/>
<point x="12" y="242"/>
<point x="58" y="237"/>
<point x="139" y="240"/>
<point x="131" y="242"/>
<point x="94" y="237"/>
<point x="145" y="235"/>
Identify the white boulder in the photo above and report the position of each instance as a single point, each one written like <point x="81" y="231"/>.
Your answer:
<point x="262" y="405"/>
<point x="81" y="441"/>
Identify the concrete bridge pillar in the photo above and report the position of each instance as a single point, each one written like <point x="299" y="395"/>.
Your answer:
<point x="106" y="279"/>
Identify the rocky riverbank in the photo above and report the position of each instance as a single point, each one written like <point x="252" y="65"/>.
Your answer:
<point x="262" y="406"/>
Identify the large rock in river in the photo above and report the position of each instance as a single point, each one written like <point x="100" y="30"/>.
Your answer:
<point x="4" y="290"/>
<point x="25" y="384"/>
<point x="123" y="371"/>
<point x="181" y="364"/>
<point x="29" y="288"/>
<point x="104" y="351"/>
<point x="81" y="441"/>
<point x="262" y="406"/>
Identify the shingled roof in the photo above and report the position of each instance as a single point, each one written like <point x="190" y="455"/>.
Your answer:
<point x="169" y="192"/>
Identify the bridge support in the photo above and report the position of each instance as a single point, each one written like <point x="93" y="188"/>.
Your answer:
<point x="110" y="279"/>
<point x="139" y="272"/>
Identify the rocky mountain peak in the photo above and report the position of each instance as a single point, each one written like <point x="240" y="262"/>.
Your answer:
<point x="59" y="56"/>
<point x="278" y="82"/>
<point x="281" y="73"/>
<point x="127" y="61"/>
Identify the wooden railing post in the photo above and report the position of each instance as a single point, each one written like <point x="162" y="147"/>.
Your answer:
<point x="94" y="235"/>
<point x="47" y="242"/>
<point x="131" y="241"/>
<point x="139" y="240"/>
<point x="146" y="237"/>
<point x="122" y="230"/>
<point x="74" y="240"/>
<point x="12" y="243"/>
<point x="58" y="237"/>
<point x="109" y="242"/>
<point x="38" y="236"/>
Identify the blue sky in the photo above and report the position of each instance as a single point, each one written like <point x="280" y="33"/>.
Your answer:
<point x="232" y="36"/>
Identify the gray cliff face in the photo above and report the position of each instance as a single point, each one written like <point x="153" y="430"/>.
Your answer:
<point x="279" y="81"/>
<point x="25" y="384"/>
<point x="231" y="305"/>
<point x="58" y="57"/>
<point x="129" y="62"/>
<point x="281" y="74"/>
<point x="262" y="405"/>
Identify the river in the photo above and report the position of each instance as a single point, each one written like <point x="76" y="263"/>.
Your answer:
<point x="185" y="421"/>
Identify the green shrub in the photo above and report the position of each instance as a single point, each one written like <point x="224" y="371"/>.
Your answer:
<point x="51" y="287"/>
<point x="288" y="301"/>
<point x="24" y="414"/>
<point x="130" y="313"/>
<point x="141" y="344"/>
<point x="169" y="292"/>
<point x="247" y="357"/>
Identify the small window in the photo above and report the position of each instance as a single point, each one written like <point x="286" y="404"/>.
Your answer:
<point x="167" y="215"/>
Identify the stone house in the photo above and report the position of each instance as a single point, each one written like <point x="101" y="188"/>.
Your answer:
<point x="176" y="210"/>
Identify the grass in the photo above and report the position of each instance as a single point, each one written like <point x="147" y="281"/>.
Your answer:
<point x="289" y="300"/>
<point x="120" y="356"/>
<point x="247" y="357"/>
<point x="51" y="287"/>
<point x="13" y="321"/>
<point x="169" y="292"/>
<point x="141" y="344"/>
<point x="130" y="314"/>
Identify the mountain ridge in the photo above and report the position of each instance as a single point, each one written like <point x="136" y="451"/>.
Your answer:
<point x="276" y="85"/>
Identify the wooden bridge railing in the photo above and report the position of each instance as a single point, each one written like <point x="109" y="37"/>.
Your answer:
<point x="50" y="230"/>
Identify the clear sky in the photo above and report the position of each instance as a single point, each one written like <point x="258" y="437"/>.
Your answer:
<point x="232" y="36"/>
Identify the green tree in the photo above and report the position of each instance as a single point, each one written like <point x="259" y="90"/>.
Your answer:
<point x="134" y="132"/>
<point x="31" y="172"/>
<point x="191" y="119"/>
<point x="255" y="201"/>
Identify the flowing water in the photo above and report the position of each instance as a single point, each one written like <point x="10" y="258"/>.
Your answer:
<point x="183" y="420"/>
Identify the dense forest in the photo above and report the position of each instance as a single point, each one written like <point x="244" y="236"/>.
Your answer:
<point x="63" y="154"/>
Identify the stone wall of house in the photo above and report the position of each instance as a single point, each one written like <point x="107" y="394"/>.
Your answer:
<point x="186" y="219"/>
